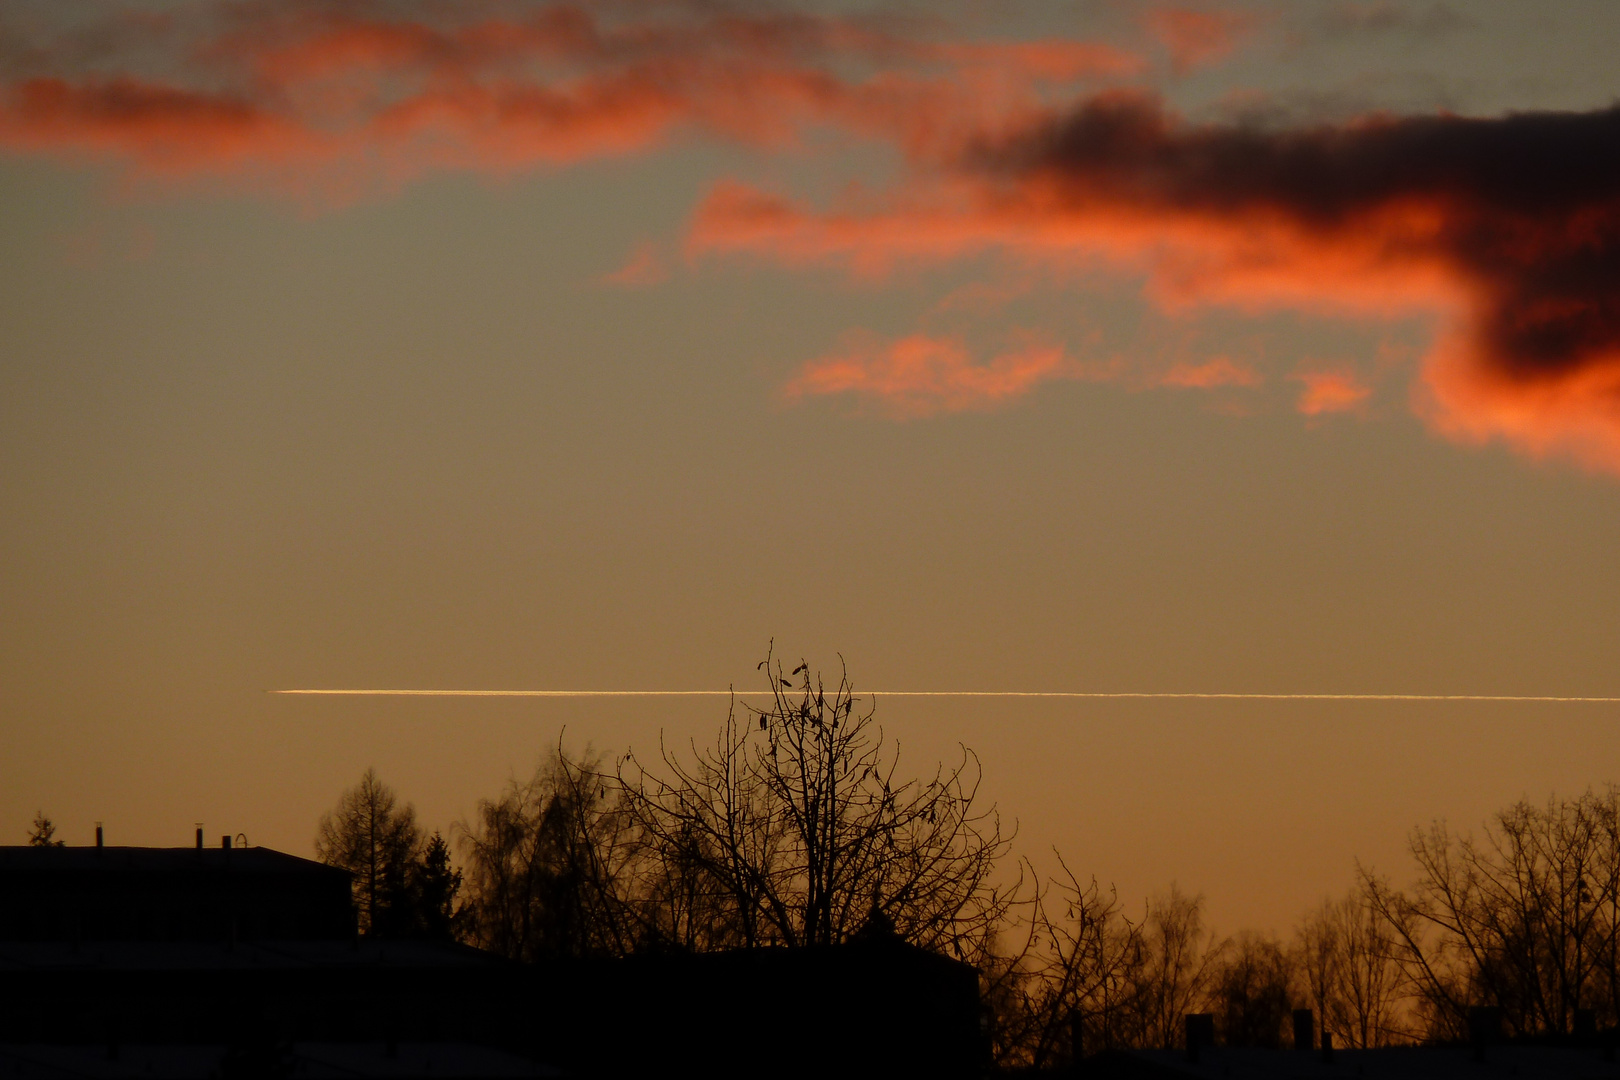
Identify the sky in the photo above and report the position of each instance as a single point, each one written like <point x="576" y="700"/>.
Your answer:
<point x="1095" y="346"/>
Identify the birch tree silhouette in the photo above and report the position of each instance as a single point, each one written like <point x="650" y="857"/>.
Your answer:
<point x="550" y="865"/>
<point x="1349" y="974"/>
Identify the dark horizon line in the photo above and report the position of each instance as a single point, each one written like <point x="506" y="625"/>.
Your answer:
<point x="1076" y="694"/>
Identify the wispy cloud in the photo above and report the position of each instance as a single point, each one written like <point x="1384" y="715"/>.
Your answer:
<point x="920" y="375"/>
<point x="1330" y="392"/>
<point x="329" y="99"/>
<point x="644" y="267"/>
<point x="1211" y="374"/>
<point x="923" y="375"/>
<point x="1198" y="37"/>
<point x="1384" y="17"/>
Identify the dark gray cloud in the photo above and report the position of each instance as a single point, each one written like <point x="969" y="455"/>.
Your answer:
<point x="1385" y="17"/>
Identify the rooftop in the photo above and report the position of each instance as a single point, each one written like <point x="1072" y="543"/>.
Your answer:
<point x="101" y="860"/>
<point x="154" y="956"/>
<point x="444" y="1061"/>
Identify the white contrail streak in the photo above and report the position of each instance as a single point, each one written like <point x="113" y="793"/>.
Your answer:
<point x="1083" y="694"/>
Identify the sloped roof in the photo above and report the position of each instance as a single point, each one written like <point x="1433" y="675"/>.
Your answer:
<point x="444" y="1061"/>
<point x="158" y="860"/>
<point x="151" y="956"/>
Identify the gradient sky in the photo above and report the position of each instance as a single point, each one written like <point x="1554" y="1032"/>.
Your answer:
<point x="1097" y="346"/>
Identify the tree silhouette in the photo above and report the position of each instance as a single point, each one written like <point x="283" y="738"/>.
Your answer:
<point x="42" y="833"/>
<point x="1179" y="952"/>
<point x="377" y="840"/>
<point x="549" y="866"/>
<point x="1068" y="980"/>
<point x="1525" y="917"/>
<point x="1347" y="967"/>
<point x="1250" y="992"/>
<point x="1083" y="977"/>
<point x="794" y="829"/>
<point x="797" y="828"/>
<point x="434" y="886"/>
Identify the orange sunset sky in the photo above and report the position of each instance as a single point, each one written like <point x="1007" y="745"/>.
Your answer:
<point x="1100" y="346"/>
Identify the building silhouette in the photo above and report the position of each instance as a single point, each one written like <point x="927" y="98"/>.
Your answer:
<point x="235" y="961"/>
<point x="228" y="961"/>
<point x="96" y="894"/>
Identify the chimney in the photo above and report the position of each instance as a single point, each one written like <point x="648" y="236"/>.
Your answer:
<point x="1327" y="1047"/>
<point x="98" y="836"/>
<point x="1200" y="1033"/>
<point x="1304" y="1030"/>
<point x="225" y="841"/>
<point x="199" y="838"/>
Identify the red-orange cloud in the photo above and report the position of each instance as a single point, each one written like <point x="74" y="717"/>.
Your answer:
<point x="169" y="129"/>
<point x="384" y="91"/>
<point x="643" y="267"/>
<point x="1330" y="392"/>
<point x="1506" y="230"/>
<point x="1210" y="375"/>
<point x="921" y="375"/>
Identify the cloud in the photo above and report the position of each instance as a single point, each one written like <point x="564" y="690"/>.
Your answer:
<point x="924" y="374"/>
<point x="1505" y="231"/>
<point x="1573" y="413"/>
<point x="921" y="375"/>
<point x="643" y="267"/>
<point x="168" y="129"/>
<point x="1383" y="17"/>
<point x="1056" y="61"/>
<point x="352" y="98"/>
<point x="1210" y="375"/>
<point x="986" y="297"/>
<point x="1330" y="392"/>
<point x="1198" y="38"/>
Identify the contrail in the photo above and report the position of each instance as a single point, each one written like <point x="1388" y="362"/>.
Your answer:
<point x="1080" y="694"/>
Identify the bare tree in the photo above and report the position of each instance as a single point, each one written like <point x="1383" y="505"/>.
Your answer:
<point x="678" y="901"/>
<point x="1178" y="955"/>
<point x="374" y="837"/>
<point x="1345" y="955"/>
<point x="1085" y="978"/>
<point x="1523" y="917"/>
<point x="796" y="828"/>
<point x="550" y="865"/>
<point x="1249" y="990"/>
<point x="1070" y="985"/>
